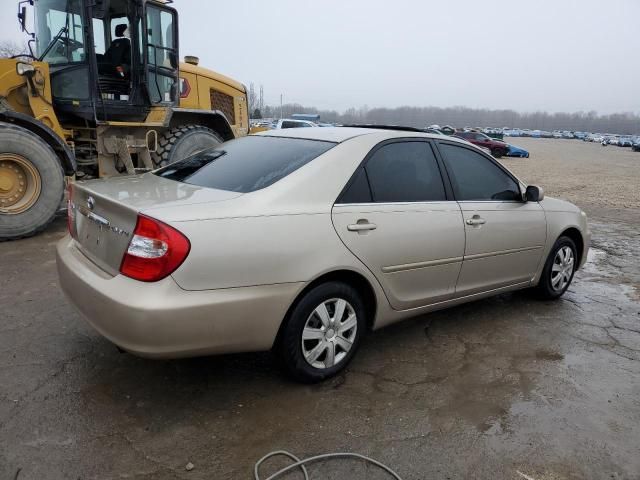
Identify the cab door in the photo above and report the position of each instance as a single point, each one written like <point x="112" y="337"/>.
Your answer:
<point x="396" y="217"/>
<point x="505" y="236"/>
<point x="160" y="40"/>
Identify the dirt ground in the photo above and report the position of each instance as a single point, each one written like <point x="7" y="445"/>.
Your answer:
<point x="504" y="388"/>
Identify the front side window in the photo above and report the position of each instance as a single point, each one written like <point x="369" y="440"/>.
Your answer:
<point x="475" y="177"/>
<point x="161" y="55"/>
<point x="59" y="31"/>
<point x="98" y="36"/>
<point x="246" y="164"/>
<point x="398" y="172"/>
<point x="160" y="37"/>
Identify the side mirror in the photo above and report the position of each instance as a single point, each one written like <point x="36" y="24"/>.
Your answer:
<point x="22" y="18"/>
<point x="534" y="194"/>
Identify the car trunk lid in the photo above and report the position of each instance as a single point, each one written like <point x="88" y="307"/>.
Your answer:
<point x="103" y="213"/>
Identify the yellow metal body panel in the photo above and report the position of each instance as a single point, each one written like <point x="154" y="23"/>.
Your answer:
<point x="215" y="76"/>
<point x="202" y="81"/>
<point x="191" y="100"/>
<point x="15" y="90"/>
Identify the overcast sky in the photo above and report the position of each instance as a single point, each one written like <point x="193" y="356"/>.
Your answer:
<point x="554" y="55"/>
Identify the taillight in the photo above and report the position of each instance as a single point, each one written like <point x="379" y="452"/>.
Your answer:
<point x="155" y="251"/>
<point x="71" y="212"/>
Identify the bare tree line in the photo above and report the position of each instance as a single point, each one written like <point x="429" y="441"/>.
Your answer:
<point x="9" y="48"/>
<point x="621" y="123"/>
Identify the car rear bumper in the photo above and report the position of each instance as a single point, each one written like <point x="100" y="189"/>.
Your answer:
<point x="163" y="321"/>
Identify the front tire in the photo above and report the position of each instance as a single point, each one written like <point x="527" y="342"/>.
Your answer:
<point x="182" y="142"/>
<point x="322" y="332"/>
<point x="31" y="183"/>
<point x="559" y="269"/>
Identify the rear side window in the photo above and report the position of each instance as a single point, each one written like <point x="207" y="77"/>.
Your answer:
<point x="475" y="177"/>
<point x="405" y="172"/>
<point x="358" y="191"/>
<point x="397" y="172"/>
<point x="246" y="164"/>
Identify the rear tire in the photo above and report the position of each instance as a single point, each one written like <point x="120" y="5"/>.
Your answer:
<point x="497" y="152"/>
<point x="182" y="142"/>
<point x="335" y="338"/>
<point x="31" y="183"/>
<point x="557" y="273"/>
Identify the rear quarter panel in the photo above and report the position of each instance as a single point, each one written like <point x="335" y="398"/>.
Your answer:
<point x="247" y="251"/>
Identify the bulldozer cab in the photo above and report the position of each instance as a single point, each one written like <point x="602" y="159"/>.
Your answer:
<point x="110" y="60"/>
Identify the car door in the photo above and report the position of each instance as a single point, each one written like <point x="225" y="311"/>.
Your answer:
<point x="395" y="215"/>
<point x="505" y="235"/>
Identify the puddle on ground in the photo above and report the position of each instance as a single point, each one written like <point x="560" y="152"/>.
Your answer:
<point x="597" y="264"/>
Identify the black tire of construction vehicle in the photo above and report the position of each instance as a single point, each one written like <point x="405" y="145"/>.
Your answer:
<point x="182" y="142"/>
<point x="20" y="141"/>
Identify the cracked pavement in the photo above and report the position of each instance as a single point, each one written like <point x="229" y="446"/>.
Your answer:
<point x="498" y="388"/>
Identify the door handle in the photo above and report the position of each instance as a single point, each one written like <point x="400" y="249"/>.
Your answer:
<point x="361" y="227"/>
<point x="476" y="220"/>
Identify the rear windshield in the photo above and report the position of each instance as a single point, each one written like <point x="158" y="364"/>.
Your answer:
<point x="246" y="164"/>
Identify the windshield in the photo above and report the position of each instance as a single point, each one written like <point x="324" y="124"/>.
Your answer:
<point x="63" y="19"/>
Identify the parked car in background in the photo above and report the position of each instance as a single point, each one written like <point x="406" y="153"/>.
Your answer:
<point x="300" y="242"/>
<point x="579" y="135"/>
<point x="517" y="152"/>
<point x="498" y="148"/>
<point x="293" y="123"/>
<point x="635" y="146"/>
<point x="536" y="133"/>
<point x="625" y="141"/>
<point x="567" y="134"/>
<point x="557" y="134"/>
<point x="597" y="137"/>
<point x="611" y="140"/>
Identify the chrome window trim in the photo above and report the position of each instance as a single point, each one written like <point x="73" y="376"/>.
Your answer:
<point x="392" y="203"/>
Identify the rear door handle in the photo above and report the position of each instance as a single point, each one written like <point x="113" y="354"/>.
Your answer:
<point x="361" y="227"/>
<point x="476" y="221"/>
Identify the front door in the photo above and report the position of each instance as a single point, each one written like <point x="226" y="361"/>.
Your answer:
<point x="161" y="55"/>
<point x="396" y="218"/>
<point x="505" y="236"/>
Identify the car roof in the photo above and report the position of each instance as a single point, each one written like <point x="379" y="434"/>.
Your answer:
<point x="340" y="134"/>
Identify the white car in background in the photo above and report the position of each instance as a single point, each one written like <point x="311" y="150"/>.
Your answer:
<point x="294" y="123"/>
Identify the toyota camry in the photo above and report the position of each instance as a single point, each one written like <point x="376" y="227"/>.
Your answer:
<point x="302" y="240"/>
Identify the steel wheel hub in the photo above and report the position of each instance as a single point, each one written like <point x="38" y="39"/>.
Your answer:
<point x="329" y="333"/>
<point x="562" y="268"/>
<point x="20" y="183"/>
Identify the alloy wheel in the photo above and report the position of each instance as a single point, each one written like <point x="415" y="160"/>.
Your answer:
<point x="562" y="268"/>
<point x="329" y="333"/>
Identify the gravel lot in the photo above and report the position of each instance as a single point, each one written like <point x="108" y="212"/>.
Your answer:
<point x="504" y="388"/>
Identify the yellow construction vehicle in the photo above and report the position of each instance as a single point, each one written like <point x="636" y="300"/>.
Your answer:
<point x="102" y="93"/>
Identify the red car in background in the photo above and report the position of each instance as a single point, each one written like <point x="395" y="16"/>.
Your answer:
<point x="497" y="147"/>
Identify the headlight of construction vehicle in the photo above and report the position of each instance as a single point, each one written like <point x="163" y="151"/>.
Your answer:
<point x="24" y="68"/>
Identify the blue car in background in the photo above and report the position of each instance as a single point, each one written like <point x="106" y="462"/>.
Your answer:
<point x="517" y="152"/>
